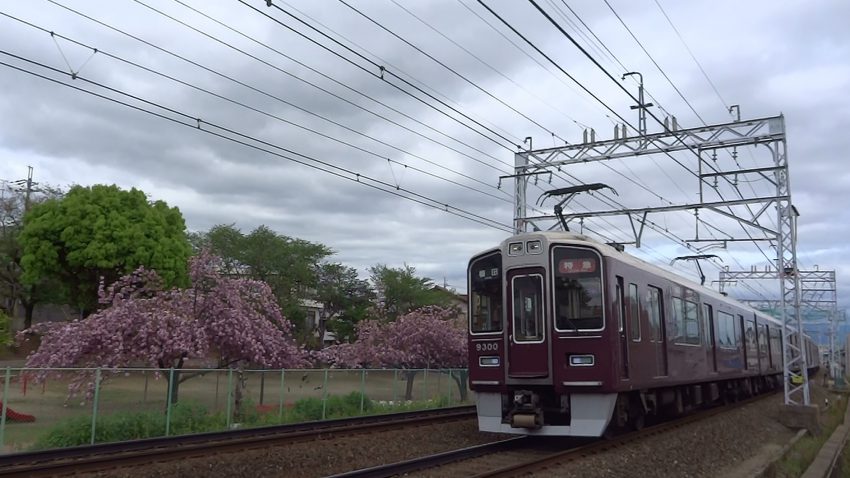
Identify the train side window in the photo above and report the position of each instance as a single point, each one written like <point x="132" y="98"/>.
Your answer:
<point x="686" y="318"/>
<point x="707" y="322"/>
<point x="725" y="330"/>
<point x="634" y="308"/>
<point x="739" y="331"/>
<point x="656" y="312"/>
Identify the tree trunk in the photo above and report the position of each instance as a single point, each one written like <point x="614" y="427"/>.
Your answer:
<point x="238" y="394"/>
<point x="409" y="375"/>
<point x="460" y="378"/>
<point x="29" y="307"/>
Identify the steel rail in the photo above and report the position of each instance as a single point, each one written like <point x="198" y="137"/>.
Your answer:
<point x="138" y="452"/>
<point x="433" y="461"/>
<point x="574" y="452"/>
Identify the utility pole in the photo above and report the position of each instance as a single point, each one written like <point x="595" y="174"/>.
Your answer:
<point x="27" y="185"/>
<point x="641" y="106"/>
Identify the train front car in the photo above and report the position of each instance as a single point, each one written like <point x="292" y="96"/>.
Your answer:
<point x="540" y="355"/>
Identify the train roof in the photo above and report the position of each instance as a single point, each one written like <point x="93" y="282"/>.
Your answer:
<point x="608" y="251"/>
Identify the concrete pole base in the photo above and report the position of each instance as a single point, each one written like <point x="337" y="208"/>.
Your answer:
<point x="801" y="416"/>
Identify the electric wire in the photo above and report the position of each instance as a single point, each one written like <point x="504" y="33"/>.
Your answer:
<point x="275" y="67"/>
<point x="352" y="103"/>
<point x="278" y="118"/>
<point x="194" y="122"/>
<point x="396" y="68"/>
<point x="382" y="74"/>
<point x="492" y="68"/>
<point x="541" y="65"/>
<point x="447" y="67"/>
<point x="693" y="57"/>
<point x="654" y="62"/>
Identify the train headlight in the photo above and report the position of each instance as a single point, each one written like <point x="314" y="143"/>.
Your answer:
<point x="582" y="360"/>
<point x="533" y="247"/>
<point x="515" y="249"/>
<point x="488" y="361"/>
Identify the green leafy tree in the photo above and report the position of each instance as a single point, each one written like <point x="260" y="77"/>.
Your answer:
<point x="288" y="265"/>
<point x="14" y="202"/>
<point x="346" y="299"/>
<point x="97" y="234"/>
<point x="400" y="291"/>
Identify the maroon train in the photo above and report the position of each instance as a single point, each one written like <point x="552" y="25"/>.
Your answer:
<point x="568" y="336"/>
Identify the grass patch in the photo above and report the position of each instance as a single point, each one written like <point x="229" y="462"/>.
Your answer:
<point x="803" y="453"/>
<point x="191" y="417"/>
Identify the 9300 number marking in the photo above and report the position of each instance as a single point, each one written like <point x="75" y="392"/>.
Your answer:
<point x="487" y="347"/>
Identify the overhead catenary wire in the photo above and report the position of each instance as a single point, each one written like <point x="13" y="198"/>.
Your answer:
<point x="196" y="123"/>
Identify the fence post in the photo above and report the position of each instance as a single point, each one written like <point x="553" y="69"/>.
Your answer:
<point x="325" y="394"/>
<point x="229" y="392"/>
<point x="451" y="386"/>
<point x="395" y="379"/>
<point x="362" y="389"/>
<point x="425" y="384"/>
<point x="5" y="406"/>
<point x="282" y="380"/>
<point x="94" y="404"/>
<point x="168" y="401"/>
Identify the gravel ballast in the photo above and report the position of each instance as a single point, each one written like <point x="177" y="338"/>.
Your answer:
<point x="707" y="448"/>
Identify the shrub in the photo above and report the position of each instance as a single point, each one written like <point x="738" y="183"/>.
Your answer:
<point x="186" y="417"/>
<point x="337" y="406"/>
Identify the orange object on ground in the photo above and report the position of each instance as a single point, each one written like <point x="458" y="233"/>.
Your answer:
<point x="14" y="416"/>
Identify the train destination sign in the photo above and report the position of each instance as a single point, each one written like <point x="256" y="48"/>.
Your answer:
<point x="572" y="266"/>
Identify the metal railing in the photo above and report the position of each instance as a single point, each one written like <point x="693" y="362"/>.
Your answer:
<point x="220" y="398"/>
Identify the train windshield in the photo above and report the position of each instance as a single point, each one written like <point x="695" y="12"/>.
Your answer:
<point x="485" y="294"/>
<point x="578" y="289"/>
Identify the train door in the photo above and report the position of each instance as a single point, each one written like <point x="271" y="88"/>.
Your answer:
<point x="528" y="350"/>
<point x="624" y="343"/>
<point x="658" y="329"/>
<point x="711" y="345"/>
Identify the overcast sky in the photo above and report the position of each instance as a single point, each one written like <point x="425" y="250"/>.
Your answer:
<point x="769" y="57"/>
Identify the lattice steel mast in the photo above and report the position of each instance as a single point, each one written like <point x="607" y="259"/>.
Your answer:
<point x="768" y="132"/>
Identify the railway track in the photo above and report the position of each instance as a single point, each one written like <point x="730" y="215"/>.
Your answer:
<point x="523" y="455"/>
<point x="109" y="456"/>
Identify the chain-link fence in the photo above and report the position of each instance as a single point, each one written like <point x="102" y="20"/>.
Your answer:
<point x="122" y="404"/>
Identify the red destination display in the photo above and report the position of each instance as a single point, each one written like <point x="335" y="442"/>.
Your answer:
<point x="568" y="266"/>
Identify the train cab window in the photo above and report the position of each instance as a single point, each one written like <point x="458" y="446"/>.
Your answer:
<point x="634" y="311"/>
<point x="485" y="298"/>
<point x="686" y="321"/>
<point x="528" y="308"/>
<point x="577" y="279"/>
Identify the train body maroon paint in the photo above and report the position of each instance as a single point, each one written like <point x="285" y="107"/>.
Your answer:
<point x="569" y="336"/>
